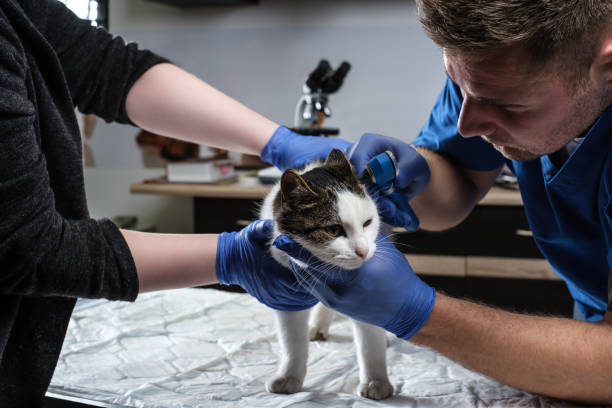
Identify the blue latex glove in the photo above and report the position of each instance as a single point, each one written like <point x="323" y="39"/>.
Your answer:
<point x="384" y="291"/>
<point x="243" y="258"/>
<point x="288" y="150"/>
<point x="413" y="173"/>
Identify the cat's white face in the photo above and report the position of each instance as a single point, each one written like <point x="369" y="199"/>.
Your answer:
<point x="361" y="223"/>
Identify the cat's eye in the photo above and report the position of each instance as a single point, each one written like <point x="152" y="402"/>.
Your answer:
<point x="368" y="222"/>
<point x="335" y="230"/>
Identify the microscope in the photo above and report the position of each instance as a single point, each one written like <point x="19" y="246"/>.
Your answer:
<point x="312" y="107"/>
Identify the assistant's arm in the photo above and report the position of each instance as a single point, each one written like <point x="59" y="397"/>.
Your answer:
<point x="166" y="261"/>
<point x="170" y="101"/>
<point x="99" y="68"/>
<point x="119" y="82"/>
<point x="170" y="261"/>
<point x="43" y="251"/>
<point x="554" y="356"/>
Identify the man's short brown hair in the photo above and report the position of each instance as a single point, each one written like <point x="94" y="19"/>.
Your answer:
<point x="562" y="33"/>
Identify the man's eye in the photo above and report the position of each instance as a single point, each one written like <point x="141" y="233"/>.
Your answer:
<point x="335" y="230"/>
<point x="368" y="222"/>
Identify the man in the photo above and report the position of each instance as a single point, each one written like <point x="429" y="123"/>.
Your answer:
<point x="530" y="85"/>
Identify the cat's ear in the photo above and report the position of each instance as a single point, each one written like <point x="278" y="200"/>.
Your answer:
<point x="340" y="162"/>
<point x="292" y="185"/>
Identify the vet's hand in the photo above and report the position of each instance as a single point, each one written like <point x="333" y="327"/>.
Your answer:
<point x="243" y="258"/>
<point x="384" y="291"/>
<point x="412" y="178"/>
<point x="288" y="150"/>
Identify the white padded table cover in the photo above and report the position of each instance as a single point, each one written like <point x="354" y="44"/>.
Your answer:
<point x="208" y="348"/>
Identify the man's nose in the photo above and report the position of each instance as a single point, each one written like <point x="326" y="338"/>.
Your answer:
<point x="475" y="118"/>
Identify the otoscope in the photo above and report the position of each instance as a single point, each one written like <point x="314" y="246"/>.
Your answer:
<point x="381" y="171"/>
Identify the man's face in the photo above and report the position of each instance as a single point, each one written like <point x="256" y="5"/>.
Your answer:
<point x="524" y="116"/>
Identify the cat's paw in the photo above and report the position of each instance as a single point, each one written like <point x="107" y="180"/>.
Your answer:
<point x="317" y="333"/>
<point x="284" y="385"/>
<point x="375" y="389"/>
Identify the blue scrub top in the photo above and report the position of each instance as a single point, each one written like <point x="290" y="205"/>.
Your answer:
<point x="568" y="208"/>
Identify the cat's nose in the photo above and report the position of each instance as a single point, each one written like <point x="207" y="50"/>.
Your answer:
<point x="361" y="252"/>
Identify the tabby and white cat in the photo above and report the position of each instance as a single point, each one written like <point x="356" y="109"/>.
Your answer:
<point x="327" y="210"/>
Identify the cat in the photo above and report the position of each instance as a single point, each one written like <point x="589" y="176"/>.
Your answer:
<point x="327" y="210"/>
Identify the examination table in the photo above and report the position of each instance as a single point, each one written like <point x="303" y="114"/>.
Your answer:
<point x="209" y="348"/>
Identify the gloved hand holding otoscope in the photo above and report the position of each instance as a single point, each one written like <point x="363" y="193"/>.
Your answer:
<point x="395" y="172"/>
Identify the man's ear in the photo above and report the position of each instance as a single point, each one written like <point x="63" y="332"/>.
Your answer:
<point x="601" y="69"/>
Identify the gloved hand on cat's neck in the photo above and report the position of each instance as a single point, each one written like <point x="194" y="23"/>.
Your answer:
<point x="289" y="150"/>
<point x="384" y="291"/>
<point x="243" y="258"/>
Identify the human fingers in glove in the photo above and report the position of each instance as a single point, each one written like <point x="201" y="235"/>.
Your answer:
<point x="412" y="173"/>
<point x="289" y="150"/>
<point x="384" y="291"/>
<point x="243" y="258"/>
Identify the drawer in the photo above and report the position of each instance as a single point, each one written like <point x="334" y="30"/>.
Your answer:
<point x="215" y="215"/>
<point x="481" y="266"/>
<point x="499" y="231"/>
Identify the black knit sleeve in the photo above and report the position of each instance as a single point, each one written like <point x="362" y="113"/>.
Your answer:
<point x="100" y="68"/>
<point x="43" y="253"/>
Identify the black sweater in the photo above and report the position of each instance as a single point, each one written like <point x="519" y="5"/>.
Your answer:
<point x="51" y="252"/>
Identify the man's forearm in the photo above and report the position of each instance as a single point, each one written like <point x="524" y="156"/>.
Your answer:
<point x="451" y="193"/>
<point x="557" y="357"/>
<point x="172" y="261"/>
<point x="169" y="101"/>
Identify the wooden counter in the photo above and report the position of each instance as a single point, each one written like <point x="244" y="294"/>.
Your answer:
<point x="246" y="187"/>
<point x="250" y="188"/>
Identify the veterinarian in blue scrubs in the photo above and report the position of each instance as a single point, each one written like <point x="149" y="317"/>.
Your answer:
<point x="529" y="85"/>
<point x="566" y="197"/>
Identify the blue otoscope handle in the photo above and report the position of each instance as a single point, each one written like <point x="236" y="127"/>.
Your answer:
<point x="383" y="172"/>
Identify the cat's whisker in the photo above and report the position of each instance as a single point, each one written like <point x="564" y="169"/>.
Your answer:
<point x="384" y="251"/>
<point x="399" y="243"/>
<point x="404" y="245"/>
<point x="305" y="278"/>
<point x="382" y="238"/>
<point x="382" y="254"/>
